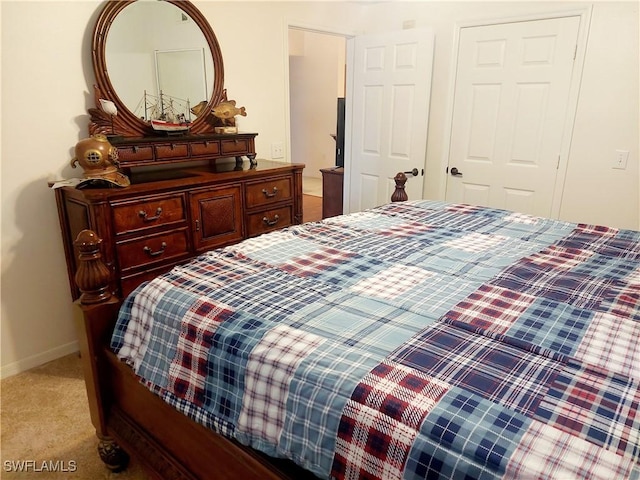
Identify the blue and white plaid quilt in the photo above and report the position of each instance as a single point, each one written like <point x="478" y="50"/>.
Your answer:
<point x="414" y="340"/>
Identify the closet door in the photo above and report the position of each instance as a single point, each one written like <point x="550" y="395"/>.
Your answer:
<point x="510" y="109"/>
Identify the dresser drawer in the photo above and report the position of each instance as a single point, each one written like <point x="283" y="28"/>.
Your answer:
<point x="135" y="153"/>
<point x="150" y="212"/>
<point x="234" y="146"/>
<point x="269" y="191"/>
<point x="268" y="220"/>
<point x="153" y="249"/>
<point x="205" y="148"/>
<point x="171" y="150"/>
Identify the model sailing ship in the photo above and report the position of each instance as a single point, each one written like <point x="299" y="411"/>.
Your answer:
<point x="164" y="114"/>
<point x="167" y="114"/>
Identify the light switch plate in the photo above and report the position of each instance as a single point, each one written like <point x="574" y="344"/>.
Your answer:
<point x="277" y="150"/>
<point x="620" y="160"/>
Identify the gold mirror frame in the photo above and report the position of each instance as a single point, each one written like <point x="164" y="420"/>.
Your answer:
<point x="125" y="123"/>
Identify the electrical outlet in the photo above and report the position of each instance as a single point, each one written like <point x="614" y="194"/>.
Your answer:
<point x="277" y="150"/>
<point x="620" y="160"/>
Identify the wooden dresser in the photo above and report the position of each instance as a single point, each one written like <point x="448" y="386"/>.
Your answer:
<point x="169" y="216"/>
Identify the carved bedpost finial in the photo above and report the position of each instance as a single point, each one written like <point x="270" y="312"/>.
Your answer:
<point x="399" y="195"/>
<point x="92" y="276"/>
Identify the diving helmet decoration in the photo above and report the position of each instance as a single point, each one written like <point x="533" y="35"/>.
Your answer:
<point x="99" y="159"/>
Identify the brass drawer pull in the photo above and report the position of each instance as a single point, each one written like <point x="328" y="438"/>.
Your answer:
<point x="145" y="218"/>
<point x="271" y="223"/>
<point x="270" y="195"/>
<point x="149" y="252"/>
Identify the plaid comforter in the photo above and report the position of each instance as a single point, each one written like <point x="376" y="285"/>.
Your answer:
<point x="413" y="340"/>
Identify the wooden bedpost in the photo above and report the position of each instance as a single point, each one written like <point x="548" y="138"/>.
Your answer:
<point x="92" y="276"/>
<point x="399" y="195"/>
<point x="94" y="321"/>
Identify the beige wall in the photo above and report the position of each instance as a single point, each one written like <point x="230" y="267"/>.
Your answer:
<point x="313" y="91"/>
<point x="45" y="77"/>
<point x="46" y="90"/>
<point x="253" y="37"/>
<point x="607" y="120"/>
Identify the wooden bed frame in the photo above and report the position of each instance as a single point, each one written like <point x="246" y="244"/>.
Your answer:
<point x="131" y="420"/>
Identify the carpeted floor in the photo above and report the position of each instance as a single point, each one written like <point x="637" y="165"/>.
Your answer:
<point x="45" y="418"/>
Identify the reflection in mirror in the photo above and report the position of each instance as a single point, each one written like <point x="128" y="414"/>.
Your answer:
<point x="156" y="46"/>
<point x="170" y="68"/>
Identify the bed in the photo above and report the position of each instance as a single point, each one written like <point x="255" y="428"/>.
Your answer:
<point x="418" y="339"/>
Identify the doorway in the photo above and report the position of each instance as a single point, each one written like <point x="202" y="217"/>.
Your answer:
<point x="317" y="66"/>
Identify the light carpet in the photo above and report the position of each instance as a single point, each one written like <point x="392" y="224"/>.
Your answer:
<point x="46" y="428"/>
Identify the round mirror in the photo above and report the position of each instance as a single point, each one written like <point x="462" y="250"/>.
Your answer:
<point x="151" y="55"/>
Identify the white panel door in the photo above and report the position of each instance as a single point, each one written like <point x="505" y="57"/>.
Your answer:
<point x="388" y="116"/>
<point x="510" y="108"/>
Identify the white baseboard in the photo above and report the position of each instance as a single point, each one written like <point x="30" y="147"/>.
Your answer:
<point x="36" y="360"/>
